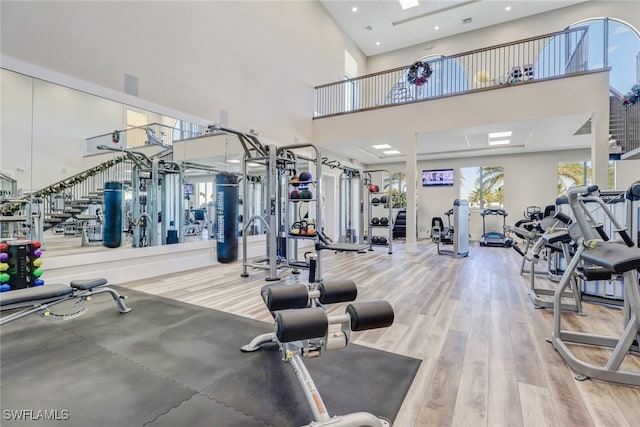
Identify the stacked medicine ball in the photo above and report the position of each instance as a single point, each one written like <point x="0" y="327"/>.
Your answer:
<point x="301" y="183"/>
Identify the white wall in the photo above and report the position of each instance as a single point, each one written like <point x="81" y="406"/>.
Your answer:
<point x="556" y="20"/>
<point x="530" y="179"/>
<point x="627" y="172"/>
<point x="259" y="61"/>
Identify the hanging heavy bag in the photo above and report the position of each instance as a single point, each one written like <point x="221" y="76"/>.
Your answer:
<point x="112" y="226"/>
<point x="227" y="202"/>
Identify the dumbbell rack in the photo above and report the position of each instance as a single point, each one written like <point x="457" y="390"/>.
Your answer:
<point x="378" y="228"/>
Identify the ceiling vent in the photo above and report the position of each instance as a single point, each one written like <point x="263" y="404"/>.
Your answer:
<point x="368" y="28"/>
<point x="467" y="21"/>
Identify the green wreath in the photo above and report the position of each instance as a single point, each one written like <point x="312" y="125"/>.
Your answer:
<point x="632" y="97"/>
<point x="417" y="77"/>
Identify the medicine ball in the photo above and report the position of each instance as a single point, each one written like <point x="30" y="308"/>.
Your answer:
<point x="383" y="200"/>
<point x="375" y="221"/>
<point x="375" y="201"/>
<point x="305" y="176"/>
<point x="384" y="220"/>
<point x="306" y="194"/>
<point x="294" y="181"/>
<point x="374" y="240"/>
<point x="295" y="194"/>
<point x="382" y="240"/>
<point x="374" y="188"/>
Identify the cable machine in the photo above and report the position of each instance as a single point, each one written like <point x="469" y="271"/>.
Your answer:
<point x="157" y="203"/>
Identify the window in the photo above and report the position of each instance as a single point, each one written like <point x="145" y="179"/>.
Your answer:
<point x="184" y="130"/>
<point x="398" y="189"/>
<point x="580" y="173"/>
<point x="482" y="186"/>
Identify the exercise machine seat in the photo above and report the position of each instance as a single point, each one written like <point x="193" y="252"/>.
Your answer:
<point x="615" y="257"/>
<point x="87" y="284"/>
<point x="34" y="293"/>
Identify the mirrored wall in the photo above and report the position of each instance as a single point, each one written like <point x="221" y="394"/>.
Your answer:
<point x="51" y="134"/>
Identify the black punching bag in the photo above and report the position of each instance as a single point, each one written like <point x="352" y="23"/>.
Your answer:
<point x="112" y="227"/>
<point x="227" y="203"/>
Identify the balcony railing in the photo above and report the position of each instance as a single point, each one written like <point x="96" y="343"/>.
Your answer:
<point x="549" y="56"/>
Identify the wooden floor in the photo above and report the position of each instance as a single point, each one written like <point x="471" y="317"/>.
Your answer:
<point x="485" y="361"/>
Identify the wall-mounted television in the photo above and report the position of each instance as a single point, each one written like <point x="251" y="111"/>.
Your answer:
<point x="188" y="190"/>
<point x="437" y="177"/>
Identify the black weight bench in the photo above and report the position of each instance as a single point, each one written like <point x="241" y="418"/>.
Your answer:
<point x="301" y="329"/>
<point x="39" y="299"/>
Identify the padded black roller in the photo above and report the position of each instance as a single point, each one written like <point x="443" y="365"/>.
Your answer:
<point x="370" y="315"/>
<point x="282" y="297"/>
<point x="596" y="273"/>
<point x="565" y="219"/>
<point x="335" y="291"/>
<point x="633" y="193"/>
<point x="301" y="324"/>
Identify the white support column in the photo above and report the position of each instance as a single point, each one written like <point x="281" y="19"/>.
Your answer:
<point x="600" y="149"/>
<point x="411" y="169"/>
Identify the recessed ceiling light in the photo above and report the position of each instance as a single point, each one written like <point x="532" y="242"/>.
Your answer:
<point x="508" y="8"/>
<point x="381" y="146"/>
<point x="233" y="161"/>
<point x="500" y="142"/>
<point x="436" y="28"/>
<point x="377" y="43"/>
<point x="500" y="134"/>
<point x="391" y="152"/>
<point x="408" y="4"/>
<point x="354" y="9"/>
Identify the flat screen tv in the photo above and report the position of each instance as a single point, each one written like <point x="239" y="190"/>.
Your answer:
<point x="188" y="190"/>
<point x="437" y="177"/>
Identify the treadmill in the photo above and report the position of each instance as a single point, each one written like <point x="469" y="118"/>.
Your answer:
<point x="494" y="238"/>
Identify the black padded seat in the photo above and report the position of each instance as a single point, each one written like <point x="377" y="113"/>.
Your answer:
<point x="615" y="257"/>
<point x="556" y="237"/>
<point x="34" y="294"/>
<point x="87" y="284"/>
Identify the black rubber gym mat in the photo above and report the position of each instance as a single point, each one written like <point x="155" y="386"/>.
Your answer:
<point x="169" y="363"/>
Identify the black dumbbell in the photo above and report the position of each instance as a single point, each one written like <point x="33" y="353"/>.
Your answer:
<point x="375" y="221"/>
<point x="384" y="220"/>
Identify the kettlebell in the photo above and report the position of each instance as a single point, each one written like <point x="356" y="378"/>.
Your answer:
<point x="295" y="228"/>
<point x="311" y="229"/>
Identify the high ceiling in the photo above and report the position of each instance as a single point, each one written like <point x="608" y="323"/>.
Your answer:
<point x="384" y="21"/>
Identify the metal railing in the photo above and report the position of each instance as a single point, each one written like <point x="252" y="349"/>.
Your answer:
<point x="150" y="134"/>
<point x="624" y="123"/>
<point x="549" y="56"/>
